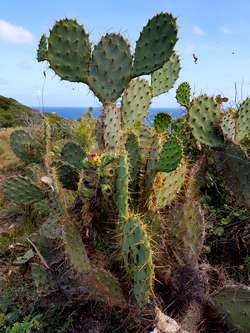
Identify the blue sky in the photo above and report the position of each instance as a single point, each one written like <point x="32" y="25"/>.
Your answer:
<point x="212" y="29"/>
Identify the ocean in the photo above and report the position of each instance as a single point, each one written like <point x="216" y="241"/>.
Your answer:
<point x="77" y="112"/>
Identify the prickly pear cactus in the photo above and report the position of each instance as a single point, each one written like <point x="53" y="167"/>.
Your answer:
<point x="110" y="67"/>
<point x="122" y="187"/>
<point x="187" y="229"/>
<point x="22" y="191"/>
<point x="155" y="44"/>
<point x="162" y="122"/>
<point x="243" y="122"/>
<point x="134" y="158"/>
<point x="42" y="50"/>
<point x="183" y="94"/>
<point x="67" y="174"/>
<point x="112" y="127"/>
<point x="235" y="168"/>
<point x="204" y="118"/>
<point x="69" y="50"/>
<point x="170" y="156"/>
<point x="136" y="101"/>
<point x="232" y="305"/>
<point x="163" y="79"/>
<point x="228" y="125"/>
<point x="73" y="154"/>
<point x="24" y="147"/>
<point x="166" y="187"/>
<point x="137" y="256"/>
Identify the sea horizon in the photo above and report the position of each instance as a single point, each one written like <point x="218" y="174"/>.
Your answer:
<point x="77" y="112"/>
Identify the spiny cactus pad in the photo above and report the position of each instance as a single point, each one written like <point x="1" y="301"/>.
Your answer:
<point x="187" y="231"/>
<point x="22" y="191"/>
<point x="24" y="147"/>
<point x="151" y="165"/>
<point x="42" y="51"/>
<point x="135" y="103"/>
<point x="183" y="94"/>
<point x="74" y="247"/>
<point x="162" y="122"/>
<point x="163" y="79"/>
<point x="204" y="118"/>
<point x="137" y="256"/>
<point x="228" y="124"/>
<point x="132" y="147"/>
<point x="122" y="187"/>
<point x="232" y="305"/>
<point x="155" y="44"/>
<point x="166" y="187"/>
<point x="243" y="122"/>
<point x="67" y="174"/>
<point x="112" y="127"/>
<point x="69" y="50"/>
<point x="73" y="154"/>
<point x="170" y="156"/>
<point x="110" y="67"/>
<point x="235" y="168"/>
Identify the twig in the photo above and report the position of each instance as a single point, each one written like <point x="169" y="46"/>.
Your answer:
<point x="44" y="262"/>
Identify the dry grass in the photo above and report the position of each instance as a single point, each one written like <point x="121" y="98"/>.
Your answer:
<point x="7" y="157"/>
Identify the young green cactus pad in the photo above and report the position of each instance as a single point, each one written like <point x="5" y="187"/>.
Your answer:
<point x="187" y="231"/>
<point x="183" y="94"/>
<point x="235" y="168"/>
<point x="69" y="50"/>
<point x="24" y="147"/>
<point x="170" y="156"/>
<point x="74" y="247"/>
<point x="22" y="191"/>
<point x="228" y="124"/>
<point x="132" y="147"/>
<point x="204" y="118"/>
<point x="42" y="50"/>
<point x="112" y="127"/>
<point x="232" y="305"/>
<point x="110" y="67"/>
<point x="122" y="188"/>
<point x="137" y="256"/>
<point x="162" y="122"/>
<point x="243" y="122"/>
<point x="166" y="187"/>
<point x="155" y="44"/>
<point x="73" y="154"/>
<point x="136" y="100"/>
<point x="163" y="79"/>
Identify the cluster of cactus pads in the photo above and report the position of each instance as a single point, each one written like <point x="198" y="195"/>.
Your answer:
<point x="137" y="172"/>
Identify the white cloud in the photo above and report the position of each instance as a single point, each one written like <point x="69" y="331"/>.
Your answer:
<point x="198" y="31"/>
<point x="14" y="34"/>
<point x="225" y="30"/>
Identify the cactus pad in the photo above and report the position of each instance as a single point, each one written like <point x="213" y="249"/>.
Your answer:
<point x="164" y="78"/>
<point x="24" y="147"/>
<point x="232" y="305"/>
<point x="122" y="187"/>
<point x="73" y="154"/>
<point x="243" y="122"/>
<point x="135" y="103"/>
<point x="204" y="118"/>
<point x="166" y="187"/>
<point x="183" y="94"/>
<point x="137" y="256"/>
<point x="155" y="44"/>
<point x="187" y="228"/>
<point x="162" y="122"/>
<point x="42" y="51"/>
<point x="228" y="125"/>
<point x="67" y="174"/>
<point x="112" y="127"/>
<point x="69" y="50"/>
<point x="170" y="156"/>
<point x="151" y="164"/>
<point x="235" y="168"/>
<point x="22" y="191"/>
<point x="110" y="67"/>
<point x="132" y="147"/>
